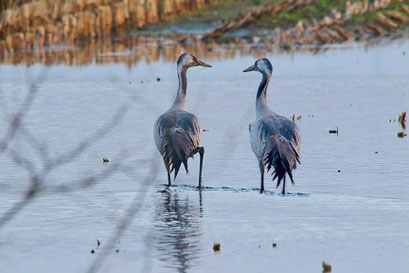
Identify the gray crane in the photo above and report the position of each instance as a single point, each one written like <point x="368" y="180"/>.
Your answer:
<point x="177" y="132"/>
<point x="275" y="140"/>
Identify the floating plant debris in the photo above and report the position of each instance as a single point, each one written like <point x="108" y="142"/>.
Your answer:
<point x="402" y="134"/>
<point x="334" y="131"/>
<point x="216" y="246"/>
<point x="326" y="268"/>
<point x="402" y="120"/>
<point x="402" y="117"/>
<point x="294" y="117"/>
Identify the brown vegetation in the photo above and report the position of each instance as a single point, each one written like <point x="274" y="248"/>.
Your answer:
<point x="41" y="23"/>
<point x="46" y="22"/>
<point x="270" y="9"/>
<point x="329" y="29"/>
<point x="333" y="29"/>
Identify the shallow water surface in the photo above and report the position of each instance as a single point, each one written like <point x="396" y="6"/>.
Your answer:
<point x="349" y="206"/>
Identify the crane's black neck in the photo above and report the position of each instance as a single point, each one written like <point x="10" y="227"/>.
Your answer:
<point x="180" y="100"/>
<point x="261" y="100"/>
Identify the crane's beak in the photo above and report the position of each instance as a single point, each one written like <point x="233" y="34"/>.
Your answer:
<point x="251" y="68"/>
<point x="199" y="62"/>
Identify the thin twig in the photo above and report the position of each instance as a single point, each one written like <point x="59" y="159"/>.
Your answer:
<point x="126" y="220"/>
<point x="21" y="113"/>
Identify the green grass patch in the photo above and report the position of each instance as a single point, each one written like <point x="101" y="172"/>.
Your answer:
<point x="231" y="9"/>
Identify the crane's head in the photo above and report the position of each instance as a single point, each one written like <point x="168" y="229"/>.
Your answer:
<point x="261" y="65"/>
<point x="188" y="60"/>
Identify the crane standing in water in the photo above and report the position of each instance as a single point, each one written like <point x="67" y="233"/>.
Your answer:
<point x="274" y="139"/>
<point x="177" y="132"/>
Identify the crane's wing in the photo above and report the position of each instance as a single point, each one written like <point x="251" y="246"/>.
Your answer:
<point x="191" y="125"/>
<point x="276" y="141"/>
<point x="289" y="130"/>
<point x="177" y="135"/>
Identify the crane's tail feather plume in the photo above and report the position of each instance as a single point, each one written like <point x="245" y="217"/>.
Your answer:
<point x="177" y="149"/>
<point x="282" y="156"/>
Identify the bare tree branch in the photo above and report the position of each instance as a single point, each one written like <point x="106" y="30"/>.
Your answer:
<point x="90" y="180"/>
<point x="18" y="206"/>
<point x="23" y="162"/>
<point x="83" y="145"/>
<point x="41" y="148"/>
<point x="126" y="220"/>
<point x="37" y="177"/>
<point x="21" y="113"/>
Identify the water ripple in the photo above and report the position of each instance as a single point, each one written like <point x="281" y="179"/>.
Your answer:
<point x="185" y="187"/>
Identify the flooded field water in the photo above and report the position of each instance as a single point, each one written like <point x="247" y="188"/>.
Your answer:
<point x="349" y="206"/>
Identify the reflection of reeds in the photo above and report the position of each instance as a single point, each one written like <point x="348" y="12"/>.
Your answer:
<point x="134" y="49"/>
<point x="47" y="22"/>
<point x="149" y="48"/>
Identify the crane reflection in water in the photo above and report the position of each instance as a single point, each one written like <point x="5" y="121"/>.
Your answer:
<point x="177" y="229"/>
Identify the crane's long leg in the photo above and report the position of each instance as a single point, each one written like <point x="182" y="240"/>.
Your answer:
<point x="201" y="153"/>
<point x="167" y="170"/>
<point x="262" y="168"/>
<point x="169" y="183"/>
<point x="283" y="192"/>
